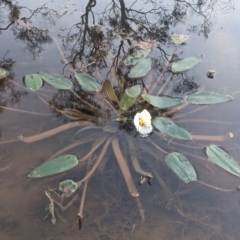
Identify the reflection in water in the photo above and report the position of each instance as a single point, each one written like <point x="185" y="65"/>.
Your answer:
<point x="98" y="45"/>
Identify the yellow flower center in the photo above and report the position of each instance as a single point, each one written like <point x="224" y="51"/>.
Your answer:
<point x="141" y="122"/>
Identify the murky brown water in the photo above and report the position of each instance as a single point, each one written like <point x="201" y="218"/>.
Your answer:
<point x="172" y="209"/>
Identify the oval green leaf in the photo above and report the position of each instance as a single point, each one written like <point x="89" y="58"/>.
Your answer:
<point x="136" y="56"/>
<point x="126" y="102"/>
<point x="56" y="81"/>
<point x="33" y="82"/>
<point x="87" y="82"/>
<point x="161" y="102"/>
<point x="223" y="160"/>
<point x="141" y="68"/>
<point x="179" y="38"/>
<point x="3" y="73"/>
<point x="169" y="128"/>
<point x="185" y="64"/>
<point x="68" y="187"/>
<point x="207" y="98"/>
<point x="181" y="167"/>
<point x="55" y="166"/>
<point x="133" y="91"/>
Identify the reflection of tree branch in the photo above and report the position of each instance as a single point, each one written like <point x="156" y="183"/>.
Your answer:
<point x="8" y="26"/>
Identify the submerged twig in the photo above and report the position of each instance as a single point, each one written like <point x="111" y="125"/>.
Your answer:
<point x="72" y="145"/>
<point x="213" y="138"/>
<point x="24" y="111"/>
<point x="50" y="133"/>
<point x="90" y="173"/>
<point x="97" y="144"/>
<point x="176" y="109"/>
<point x="217" y="188"/>
<point x="135" y="161"/>
<point x="124" y="168"/>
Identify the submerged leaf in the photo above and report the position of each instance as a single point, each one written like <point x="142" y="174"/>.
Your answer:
<point x="57" y="81"/>
<point x="141" y="69"/>
<point x="223" y="160"/>
<point x="207" y="98"/>
<point x="161" y="102"/>
<point x="185" y="64"/>
<point x="169" y="128"/>
<point x="181" y="166"/>
<point x="57" y="165"/>
<point x="133" y="91"/>
<point x="3" y="73"/>
<point x="33" y="82"/>
<point x="76" y="115"/>
<point x="87" y="82"/>
<point x="137" y="56"/>
<point x="129" y="97"/>
<point x="68" y="187"/>
<point x="126" y="101"/>
<point x="108" y="90"/>
<point x="179" y="38"/>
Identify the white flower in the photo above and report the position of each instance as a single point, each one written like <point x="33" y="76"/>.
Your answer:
<point x="142" y="122"/>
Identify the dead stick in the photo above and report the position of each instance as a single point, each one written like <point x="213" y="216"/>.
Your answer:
<point x="124" y="168"/>
<point x="174" y="110"/>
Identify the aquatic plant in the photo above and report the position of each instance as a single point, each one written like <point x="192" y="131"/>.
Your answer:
<point x="130" y="113"/>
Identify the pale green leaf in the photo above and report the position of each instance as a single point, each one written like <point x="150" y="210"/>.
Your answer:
<point x="56" y="81"/>
<point x="87" y="82"/>
<point x="133" y="91"/>
<point x="136" y="56"/>
<point x="161" y="102"/>
<point x="181" y="167"/>
<point x="57" y="165"/>
<point x="185" y="64"/>
<point x="68" y="187"/>
<point x="33" y="81"/>
<point x="126" y="101"/>
<point x="207" y="98"/>
<point x="141" y="68"/>
<point x="179" y="38"/>
<point x="223" y="160"/>
<point x="3" y="73"/>
<point x="169" y="128"/>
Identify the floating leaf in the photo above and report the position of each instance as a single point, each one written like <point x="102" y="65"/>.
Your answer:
<point x="136" y="57"/>
<point x="56" y="81"/>
<point x="133" y="91"/>
<point x="141" y="68"/>
<point x="179" y="38"/>
<point x="87" y="82"/>
<point x="57" y="165"/>
<point x="169" y="128"/>
<point x="181" y="166"/>
<point x="161" y="102"/>
<point x="207" y="98"/>
<point x="33" y="82"/>
<point x="185" y="64"/>
<point x="68" y="187"/>
<point x="223" y="160"/>
<point x="108" y="90"/>
<point x="3" y="73"/>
